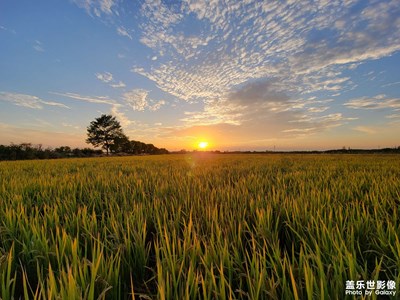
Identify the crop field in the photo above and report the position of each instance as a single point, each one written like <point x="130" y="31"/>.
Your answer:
<point x="199" y="226"/>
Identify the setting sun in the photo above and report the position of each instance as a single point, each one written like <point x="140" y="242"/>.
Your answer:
<point x="203" y="145"/>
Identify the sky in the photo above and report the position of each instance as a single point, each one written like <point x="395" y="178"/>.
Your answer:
<point x="239" y="75"/>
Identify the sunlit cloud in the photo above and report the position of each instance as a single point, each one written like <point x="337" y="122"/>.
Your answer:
<point x="121" y="116"/>
<point x="377" y="102"/>
<point x="317" y="109"/>
<point x="309" y="124"/>
<point x="274" y="41"/>
<point x="68" y="125"/>
<point x="365" y="129"/>
<point x="299" y="130"/>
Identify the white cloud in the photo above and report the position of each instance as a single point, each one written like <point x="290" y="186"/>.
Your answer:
<point x="28" y="101"/>
<point x="52" y="103"/>
<point x="97" y="7"/>
<point x="106" y="5"/>
<point x="8" y="30"/>
<point x="245" y="40"/>
<point x="104" y="77"/>
<point x="157" y="105"/>
<point x="292" y="48"/>
<point x="119" y="84"/>
<point x="123" y="32"/>
<point x="108" y="78"/>
<point x="38" y="46"/>
<point x="393" y="116"/>
<point x="64" y="124"/>
<point x="138" y="100"/>
<point x="391" y="84"/>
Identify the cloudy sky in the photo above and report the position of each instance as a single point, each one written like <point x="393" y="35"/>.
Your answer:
<point x="240" y="75"/>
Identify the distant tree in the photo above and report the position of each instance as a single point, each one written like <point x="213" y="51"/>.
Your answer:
<point x="104" y="131"/>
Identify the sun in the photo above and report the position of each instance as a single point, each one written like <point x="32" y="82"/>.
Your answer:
<point x="203" y="145"/>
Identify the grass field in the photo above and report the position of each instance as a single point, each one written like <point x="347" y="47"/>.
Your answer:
<point x="198" y="226"/>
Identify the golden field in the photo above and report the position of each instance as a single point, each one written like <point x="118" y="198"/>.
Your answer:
<point x="198" y="226"/>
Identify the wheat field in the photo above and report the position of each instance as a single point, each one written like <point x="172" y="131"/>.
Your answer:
<point x="198" y="226"/>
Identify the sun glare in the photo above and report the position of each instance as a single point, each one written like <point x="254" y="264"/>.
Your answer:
<point x="203" y="145"/>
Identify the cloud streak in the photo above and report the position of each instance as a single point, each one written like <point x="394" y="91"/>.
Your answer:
<point x="116" y="107"/>
<point x="377" y="102"/>
<point x="122" y="31"/>
<point x="365" y="129"/>
<point x="90" y="99"/>
<point x="28" y="101"/>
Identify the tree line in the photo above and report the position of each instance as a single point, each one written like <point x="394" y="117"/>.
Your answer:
<point x="29" y="151"/>
<point x="104" y="132"/>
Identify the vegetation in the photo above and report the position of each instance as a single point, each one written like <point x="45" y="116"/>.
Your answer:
<point x="27" y="151"/>
<point x="198" y="226"/>
<point x="106" y="132"/>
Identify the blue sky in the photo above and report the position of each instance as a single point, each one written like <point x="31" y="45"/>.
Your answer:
<point x="239" y="75"/>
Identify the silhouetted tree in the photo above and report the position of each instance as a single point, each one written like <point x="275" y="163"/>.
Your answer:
<point x="121" y="144"/>
<point x="104" y="131"/>
<point x="64" y="150"/>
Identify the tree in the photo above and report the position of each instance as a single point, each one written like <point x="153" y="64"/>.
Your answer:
<point x="104" y="131"/>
